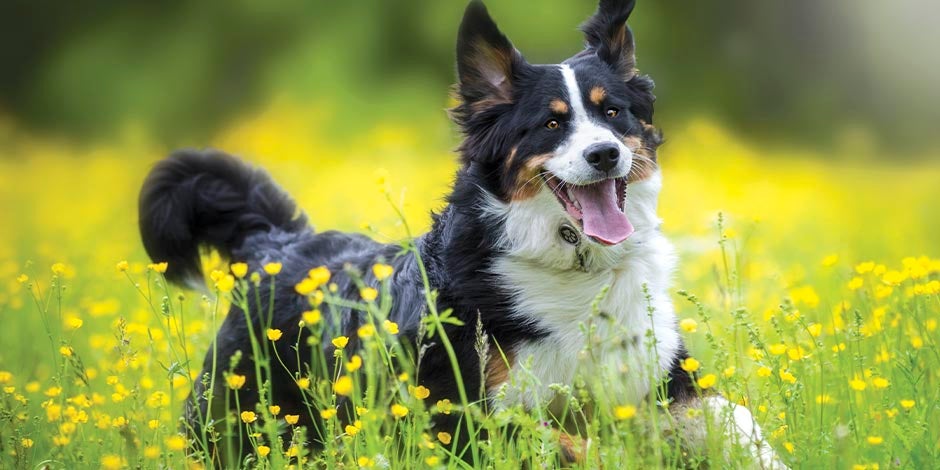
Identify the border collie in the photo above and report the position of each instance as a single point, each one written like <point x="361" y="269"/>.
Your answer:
<point x="552" y="219"/>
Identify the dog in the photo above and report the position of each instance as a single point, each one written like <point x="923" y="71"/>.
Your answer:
<point x="552" y="221"/>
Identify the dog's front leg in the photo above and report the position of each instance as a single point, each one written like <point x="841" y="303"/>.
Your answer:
<point x="693" y="418"/>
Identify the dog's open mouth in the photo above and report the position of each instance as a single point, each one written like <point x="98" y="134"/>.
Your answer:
<point x="597" y="207"/>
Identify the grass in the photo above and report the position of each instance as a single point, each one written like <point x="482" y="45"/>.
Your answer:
<point x="814" y="298"/>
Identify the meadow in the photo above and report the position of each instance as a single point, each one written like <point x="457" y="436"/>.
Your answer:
<point x="809" y="289"/>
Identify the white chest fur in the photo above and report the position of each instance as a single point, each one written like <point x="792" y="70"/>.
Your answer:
<point x="626" y="337"/>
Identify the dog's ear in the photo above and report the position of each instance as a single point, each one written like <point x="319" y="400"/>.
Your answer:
<point x="485" y="58"/>
<point x="608" y="35"/>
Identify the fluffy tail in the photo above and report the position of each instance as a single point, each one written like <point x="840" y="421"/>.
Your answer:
<point x="195" y="198"/>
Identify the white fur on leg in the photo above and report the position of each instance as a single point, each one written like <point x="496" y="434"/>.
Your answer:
<point x="739" y="423"/>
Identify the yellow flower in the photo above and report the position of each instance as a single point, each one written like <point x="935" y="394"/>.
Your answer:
<point x="444" y="437"/>
<point x="755" y="354"/>
<point x="880" y="382"/>
<point x="707" y="381"/>
<point x="399" y="411"/>
<point x="857" y="384"/>
<point x="112" y="462"/>
<point x="875" y="440"/>
<point x="432" y="460"/>
<point x="689" y="364"/>
<point x="830" y="260"/>
<point x="153" y="423"/>
<point x="263" y="451"/>
<point x="789" y="447"/>
<point x="856" y="283"/>
<point x="235" y="381"/>
<point x="66" y="351"/>
<point x="777" y="349"/>
<point x="893" y="278"/>
<point x="58" y="269"/>
<point x="366" y="331"/>
<point x="73" y="323"/>
<point x="328" y="413"/>
<point x="240" y="270"/>
<point x="272" y="268"/>
<point x="320" y="275"/>
<point x="274" y="334"/>
<point x="445" y="406"/>
<point x="421" y="392"/>
<point x="688" y="325"/>
<point x="176" y="442"/>
<point x="249" y="416"/>
<point x="26" y="442"/>
<point x="823" y="399"/>
<point x="365" y="462"/>
<point x="292" y="419"/>
<point x="917" y="342"/>
<point x="390" y="327"/>
<point x="303" y="383"/>
<point x="729" y="372"/>
<point x="382" y="271"/>
<point x="786" y="376"/>
<point x="865" y="267"/>
<point x="908" y="404"/>
<point x="274" y="409"/>
<point x="354" y="428"/>
<point x="53" y="392"/>
<point x="623" y="412"/>
<point x="306" y="286"/>
<point x="122" y="266"/>
<point x="340" y="342"/>
<point x="158" y="267"/>
<point x="815" y="329"/>
<point x="354" y="363"/>
<point x="796" y="354"/>
<point x="368" y="294"/>
<point x="22" y="278"/>
<point x="764" y="371"/>
<point x="343" y="386"/>
<point x="226" y="283"/>
<point x="152" y="452"/>
<point x="312" y="317"/>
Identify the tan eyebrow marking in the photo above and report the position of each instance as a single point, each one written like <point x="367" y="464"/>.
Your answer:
<point x="598" y="94"/>
<point x="559" y="106"/>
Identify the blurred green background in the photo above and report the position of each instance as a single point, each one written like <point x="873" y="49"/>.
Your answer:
<point x="857" y="77"/>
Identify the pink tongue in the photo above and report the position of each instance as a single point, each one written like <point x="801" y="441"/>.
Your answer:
<point x="602" y="219"/>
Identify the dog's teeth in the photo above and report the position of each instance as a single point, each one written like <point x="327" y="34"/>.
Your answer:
<point x="570" y="196"/>
<point x="577" y="204"/>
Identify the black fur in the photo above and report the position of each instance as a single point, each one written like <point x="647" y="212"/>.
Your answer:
<point x="208" y="198"/>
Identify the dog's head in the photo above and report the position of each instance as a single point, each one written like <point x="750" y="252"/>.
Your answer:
<point x="578" y="133"/>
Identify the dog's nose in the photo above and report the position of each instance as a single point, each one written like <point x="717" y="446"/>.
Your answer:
<point x="603" y="156"/>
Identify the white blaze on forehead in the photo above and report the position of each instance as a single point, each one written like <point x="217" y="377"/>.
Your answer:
<point x="574" y="94"/>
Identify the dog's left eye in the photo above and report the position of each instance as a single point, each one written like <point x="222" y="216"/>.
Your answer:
<point x="612" y="112"/>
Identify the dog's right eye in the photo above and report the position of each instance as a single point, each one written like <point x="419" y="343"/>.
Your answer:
<point x="552" y="124"/>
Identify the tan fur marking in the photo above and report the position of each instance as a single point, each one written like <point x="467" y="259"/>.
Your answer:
<point x="598" y="94"/>
<point x="644" y="160"/>
<point x="558" y="106"/>
<point x="497" y="368"/>
<point x="527" y="181"/>
<point x="512" y="157"/>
